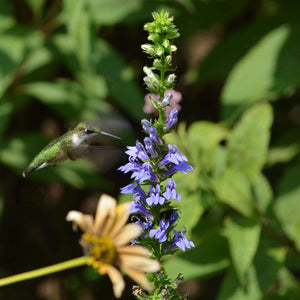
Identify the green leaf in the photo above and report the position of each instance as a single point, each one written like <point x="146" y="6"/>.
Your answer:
<point x="261" y="275"/>
<point x="270" y="69"/>
<point x="243" y="237"/>
<point x="109" y="12"/>
<point x="69" y="98"/>
<point x="36" y="6"/>
<point x="14" y="46"/>
<point x="286" y="207"/>
<point x="248" y="142"/>
<point x="285" y="147"/>
<point x="206" y="259"/>
<point x="79" y="26"/>
<point x="289" y="287"/>
<point x="263" y="194"/>
<point x="120" y="79"/>
<point x="36" y="59"/>
<point x="6" y="15"/>
<point x="105" y="62"/>
<point x="233" y="188"/>
<point x="268" y="263"/>
<point x="206" y="134"/>
<point x="203" y="138"/>
<point x="11" y="56"/>
<point x="233" y="47"/>
<point x="191" y="207"/>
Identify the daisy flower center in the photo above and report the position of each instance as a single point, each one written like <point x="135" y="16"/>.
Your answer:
<point x="100" y="250"/>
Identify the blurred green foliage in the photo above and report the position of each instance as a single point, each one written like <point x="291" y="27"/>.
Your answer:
<point x="238" y="67"/>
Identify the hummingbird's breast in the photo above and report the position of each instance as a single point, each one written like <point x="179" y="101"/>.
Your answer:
<point x="76" y="140"/>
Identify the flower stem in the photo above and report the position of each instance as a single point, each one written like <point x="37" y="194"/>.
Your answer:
<point x="76" y="262"/>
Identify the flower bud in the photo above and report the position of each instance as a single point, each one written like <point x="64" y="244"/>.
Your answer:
<point x="148" y="49"/>
<point x="171" y="78"/>
<point x="160" y="51"/>
<point x="166" y="100"/>
<point x="173" y="48"/>
<point x="169" y="59"/>
<point x="166" y="43"/>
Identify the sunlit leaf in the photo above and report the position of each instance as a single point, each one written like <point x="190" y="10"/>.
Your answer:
<point x="69" y="98"/>
<point x="286" y="205"/>
<point x="108" y="12"/>
<point x="233" y="188"/>
<point x="6" y="15"/>
<point x="36" y="6"/>
<point x="14" y="46"/>
<point x="208" y="258"/>
<point x="260" y="277"/>
<point x="263" y="194"/>
<point x="248" y="142"/>
<point x="266" y="72"/>
<point x="203" y="138"/>
<point x="243" y="237"/>
<point x="120" y="79"/>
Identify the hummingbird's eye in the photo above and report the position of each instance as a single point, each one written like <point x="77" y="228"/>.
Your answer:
<point x="88" y="131"/>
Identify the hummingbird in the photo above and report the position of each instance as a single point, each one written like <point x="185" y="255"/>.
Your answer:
<point x="66" y="147"/>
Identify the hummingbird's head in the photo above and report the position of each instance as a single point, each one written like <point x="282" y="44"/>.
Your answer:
<point x="87" y="128"/>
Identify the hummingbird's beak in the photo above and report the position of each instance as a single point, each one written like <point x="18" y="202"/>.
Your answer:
<point x="111" y="135"/>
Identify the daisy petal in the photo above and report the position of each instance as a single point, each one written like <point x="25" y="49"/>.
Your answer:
<point x="84" y="222"/>
<point x="117" y="280"/>
<point x="127" y="234"/>
<point x="134" y="250"/>
<point x="139" y="263"/>
<point x="105" y="214"/>
<point x="140" y="278"/>
<point x="121" y="218"/>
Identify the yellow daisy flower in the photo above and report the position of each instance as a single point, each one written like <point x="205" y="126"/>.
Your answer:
<point x="105" y="240"/>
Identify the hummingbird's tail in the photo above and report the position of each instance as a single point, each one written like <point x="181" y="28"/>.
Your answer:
<point x="31" y="169"/>
<point x="111" y="135"/>
<point x="28" y="171"/>
<point x="25" y="173"/>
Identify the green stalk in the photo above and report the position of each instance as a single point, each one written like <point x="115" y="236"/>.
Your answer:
<point x="76" y="262"/>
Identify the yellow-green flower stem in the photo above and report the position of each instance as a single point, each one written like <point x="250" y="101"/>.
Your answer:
<point x="76" y="262"/>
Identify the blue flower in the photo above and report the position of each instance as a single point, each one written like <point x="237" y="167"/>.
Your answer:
<point x="154" y="197"/>
<point x="143" y="172"/>
<point x="181" y="241"/>
<point x="134" y="189"/>
<point x="138" y="207"/>
<point x="176" y="161"/>
<point x="140" y="171"/>
<point x="160" y="232"/>
<point x="151" y="131"/>
<point x="128" y="189"/>
<point x="173" y="156"/>
<point x="149" y="147"/>
<point x="166" y="100"/>
<point x="146" y="225"/>
<point x="170" y="192"/>
<point x="137" y="152"/>
<point x="172" y="119"/>
<point x="181" y="167"/>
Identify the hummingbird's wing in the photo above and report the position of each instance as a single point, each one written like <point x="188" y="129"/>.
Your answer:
<point x="87" y="150"/>
<point x="102" y="157"/>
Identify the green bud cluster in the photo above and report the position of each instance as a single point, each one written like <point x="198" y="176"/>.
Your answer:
<point x="162" y="32"/>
